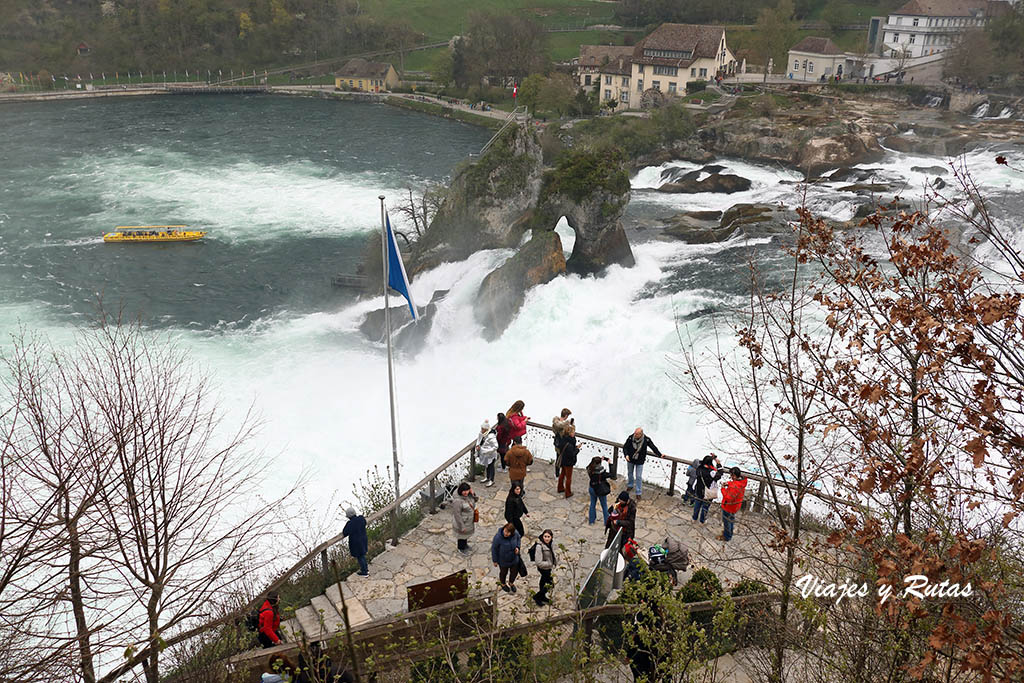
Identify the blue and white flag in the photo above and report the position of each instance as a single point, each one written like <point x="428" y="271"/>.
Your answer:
<point x="397" y="279"/>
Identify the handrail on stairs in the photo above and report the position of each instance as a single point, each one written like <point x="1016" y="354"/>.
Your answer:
<point x="512" y="118"/>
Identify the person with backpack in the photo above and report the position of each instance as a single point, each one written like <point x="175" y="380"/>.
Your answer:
<point x="635" y="449"/>
<point x="622" y="517"/>
<point x="732" y="500"/>
<point x="269" y="630"/>
<point x="703" y="491"/>
<point x="691" y="478"/>
<point x="358" y="543"/>
<point x="464" y="516"/>
<point x="503" y="435"/>
<point x="505" y="556"/>
<point x="558" y="426"/>
<point x="599" y="488"/>
<point x="487" y="451"/>
<point x="543" y="554"/>
<point x="515" y="508"/>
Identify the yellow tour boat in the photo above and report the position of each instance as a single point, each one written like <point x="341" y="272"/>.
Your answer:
<point x="153" y="233"/>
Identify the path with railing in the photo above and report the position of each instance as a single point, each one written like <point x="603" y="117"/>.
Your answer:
<point x="429" y="550"/>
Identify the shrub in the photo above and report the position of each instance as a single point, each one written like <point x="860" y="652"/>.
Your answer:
<point x="580" y="172"/>
<point x="748" y="587"/>
<point x="706" y="578"/>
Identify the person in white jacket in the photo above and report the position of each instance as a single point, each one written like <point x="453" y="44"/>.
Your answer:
<point x="487" y="450"/>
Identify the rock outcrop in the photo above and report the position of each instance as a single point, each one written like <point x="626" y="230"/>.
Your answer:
<point x="503" y="291"/>
<point x="591" y="190"/>
<point x="487" y="202"/>
<point x="707" y="179"/>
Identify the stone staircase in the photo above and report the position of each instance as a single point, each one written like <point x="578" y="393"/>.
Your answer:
<point x="322" y="616"/>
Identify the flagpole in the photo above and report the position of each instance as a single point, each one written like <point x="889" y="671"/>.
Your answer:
<point x="391" y="382"/>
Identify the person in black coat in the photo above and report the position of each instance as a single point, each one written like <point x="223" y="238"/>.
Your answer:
<point x="569" y="451"/>
<point x="599" y="488"/>
<point x="635" y="449"/>
<point x="358" y="543"/>
<point x="707" y="474"/>
<point x="515" y="508"/>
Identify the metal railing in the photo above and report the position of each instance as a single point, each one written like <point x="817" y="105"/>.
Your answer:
<point x="510" y="120"/>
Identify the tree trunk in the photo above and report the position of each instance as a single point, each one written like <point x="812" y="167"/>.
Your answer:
<point x="77" y="604"/>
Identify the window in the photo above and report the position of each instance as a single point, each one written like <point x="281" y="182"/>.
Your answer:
<point x="640" y="68"/>
<point x="810" y="67"/>
<point x="672" y="87"/>
<point x="586" y="80"/>
<point x="607" y="80"/>
<point x="656" y="85"/>
<point x="607" y="94"/>
<point x="913" y="38"/>
<point x="915" y="22"/>
<point x="895" y="37"/>
<point x="669" y="54"/>
<point x="625" y="81"/>
<point x="639" y="85"/>
<point x="693" y="72"/>
<point x="666" y="71"/>
<point x="796" y="65"/>
<point x="899" y="20"/>
<point x="703" y="73"/>
<point x="624" y="96"/>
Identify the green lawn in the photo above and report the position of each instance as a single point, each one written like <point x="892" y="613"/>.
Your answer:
<point x="442" y="19"/>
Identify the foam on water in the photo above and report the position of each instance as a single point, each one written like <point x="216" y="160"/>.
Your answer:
<point x="247" y="200"/>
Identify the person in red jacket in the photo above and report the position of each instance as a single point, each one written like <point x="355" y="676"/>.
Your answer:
<point x="518" y="420"/>
<point x="732" y="499"/>
<point x="269" y="633"/>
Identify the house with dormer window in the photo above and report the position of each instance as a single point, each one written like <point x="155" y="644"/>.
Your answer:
<point x="674" y="54"/>
<point x="921" y="28"/>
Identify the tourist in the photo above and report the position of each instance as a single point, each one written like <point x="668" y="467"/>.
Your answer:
<point x="691" y="478"/>
<point x="518" y="420"/>
<point x="558" y="425"/>
<point x="505" y="556"/>
<point x="635" y="450"/>
<point x="569" y="452"/>
<point x="703" y="486"/>
<point x="487" y="451"/>
<point x="515" y="508"/>
<point x="503" y="435"/>
<point x="732" y="499"/>
<point x="518" y="460"/>
<point x="622" y="517"/>
<point x="279" y="670"/>
<point x="269" y="633"/>
<point x="464" y="516"/>
<point x="358" y="543"/>
<point x="599" y="488"/>
<point x="546" y="562"/>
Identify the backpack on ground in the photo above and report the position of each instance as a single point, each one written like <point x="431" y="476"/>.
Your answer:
<point x="656" y="555"/>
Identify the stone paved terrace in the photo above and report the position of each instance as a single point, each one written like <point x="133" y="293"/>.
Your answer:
<point x="429" y="551"/>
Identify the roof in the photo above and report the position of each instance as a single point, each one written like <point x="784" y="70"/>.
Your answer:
<point x="943" y="8"/>
<point x="700" y="41"/>
<point x="816" y="46"/>
<point x="596" y="55"/>
<point x="623" y="66"/>
<point x="360" y="68"/>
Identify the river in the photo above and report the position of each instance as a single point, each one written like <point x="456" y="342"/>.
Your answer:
<point x="287" y="189"/>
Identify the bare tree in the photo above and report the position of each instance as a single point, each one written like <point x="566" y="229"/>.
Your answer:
<point x="153" y="513"/>
<point x="420" y="207"/>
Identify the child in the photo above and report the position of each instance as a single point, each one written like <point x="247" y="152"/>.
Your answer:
<point x="546" y="562"/>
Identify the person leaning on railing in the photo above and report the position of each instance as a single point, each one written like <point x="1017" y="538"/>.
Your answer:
<point x="635" y="449"/>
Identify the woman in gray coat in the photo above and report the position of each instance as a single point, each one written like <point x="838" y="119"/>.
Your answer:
<point x="464" y="516"/>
